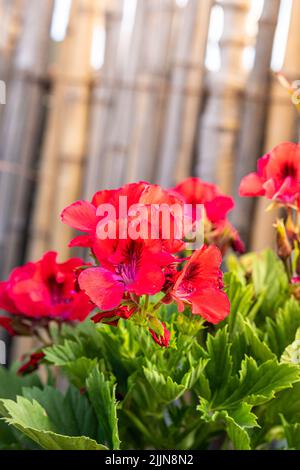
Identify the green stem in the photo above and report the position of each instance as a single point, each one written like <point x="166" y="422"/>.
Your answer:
<point x="146" y="304"/>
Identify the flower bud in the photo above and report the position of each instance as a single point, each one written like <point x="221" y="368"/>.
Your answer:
<point x="284" y="248"/>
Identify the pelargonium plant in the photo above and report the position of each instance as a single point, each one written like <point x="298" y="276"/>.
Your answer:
<point x="156" y="347"/>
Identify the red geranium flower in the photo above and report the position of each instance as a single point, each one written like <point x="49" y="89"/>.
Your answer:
<point x="218" y="230"/>
<point x="163" y="340"/>
<point x="45" y="290"/>
<point x="199" y="285"/>
<point x="87" y="216"/>
<point x="195" y="191"/>
<point x="277" y="176"/>
<point x="134" y="268"/>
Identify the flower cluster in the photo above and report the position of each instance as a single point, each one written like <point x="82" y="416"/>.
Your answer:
<point x="132" y="275"/>
<point x="129" y="271"/>
<point x="278" y="179"/>
<point x="40" y="292"/>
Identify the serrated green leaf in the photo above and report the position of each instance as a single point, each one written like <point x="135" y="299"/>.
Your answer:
<point x="165" y="388"/>
<point x="77" y="371"/>
<point x="269" y="278"/>
<point x="246" y="341"/>
<point x="281" y="331"/>
<point x="61" y="354"/>
<point x="11" y="384"/>
<point x="31" y="419"/>
<point x="219" y="368"/>
<point x="193" y="375"/>
<point x="236" y="421"/>
<point x="292" y="434"/>
<point x="287" y="403"/>
<point x="71" y="414"/>
<point x="258" y="384"/>
<point x="102" y="396"/>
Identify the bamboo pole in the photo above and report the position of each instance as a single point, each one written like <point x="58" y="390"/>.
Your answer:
<point x="113" y="155"/>
<point x="254" y="113"/>
<point x="185" y="94"/>
<point x="20" y="132"/>
<point x="64" y="151"/>
<point x="104" y="95"/>
<point x="151" y="83"/>
<point x="281" y="126"/>
<point x="11" y="14"/>
<point x="221" y="120"/>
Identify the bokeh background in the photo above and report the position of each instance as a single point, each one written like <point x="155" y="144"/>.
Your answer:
<point x="103" y="92"/>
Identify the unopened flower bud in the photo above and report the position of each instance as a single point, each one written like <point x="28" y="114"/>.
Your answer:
<point x="284" y="248"/>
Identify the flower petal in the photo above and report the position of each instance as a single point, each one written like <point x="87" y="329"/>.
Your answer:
<point x="102" y="287"/>
<point x="211" y="304"/>
<point x="80" y="215"/>
<point x="251" y="185"/>
<point x="218" y="208"/>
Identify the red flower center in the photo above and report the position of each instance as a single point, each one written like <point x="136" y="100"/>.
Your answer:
<point x="57" y="291"/>
<point x="132" y="260"/>
<point x="289" y="170"/>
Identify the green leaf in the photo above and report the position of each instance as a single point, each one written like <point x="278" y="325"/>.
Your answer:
<point x="235" y="420"/>
<point x="11" y="384"/>
<point x="61" y="354"/>
<point x="71" y="414"/>
<point x="31" y="419"/>
<point x="239" y="436"/>
<point x="258" y="384"/>
<point x="292" y="434"/>
<point x="165" y="388"/>
<point x="269" y="278"/>
<point x="77" y="371"/>
<point x="193" y="375"/>
<point x="219" y="368"/>
<point x="102" y="396"/>
<point x="281" y="331"/>
<point x="287" y="403"/>
<point x="241" y="296"/>
<point x="246" y="342"/>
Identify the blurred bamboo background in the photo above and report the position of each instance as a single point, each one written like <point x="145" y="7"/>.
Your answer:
<point x="103" y="92"/>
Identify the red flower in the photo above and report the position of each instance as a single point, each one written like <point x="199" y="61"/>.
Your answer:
<point x="32" y="364"/>
<point x="134" y="268"/>
<point x="277" y="176"/>
<point x="199" y="285"/>
<point x="88" y="216"/>
<point x="44" y="290"/>
<point x="217" y="229"/>
<point x="195" y="191"/>
<point x="111" y="317"/>
<point x="163" y="340"/>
